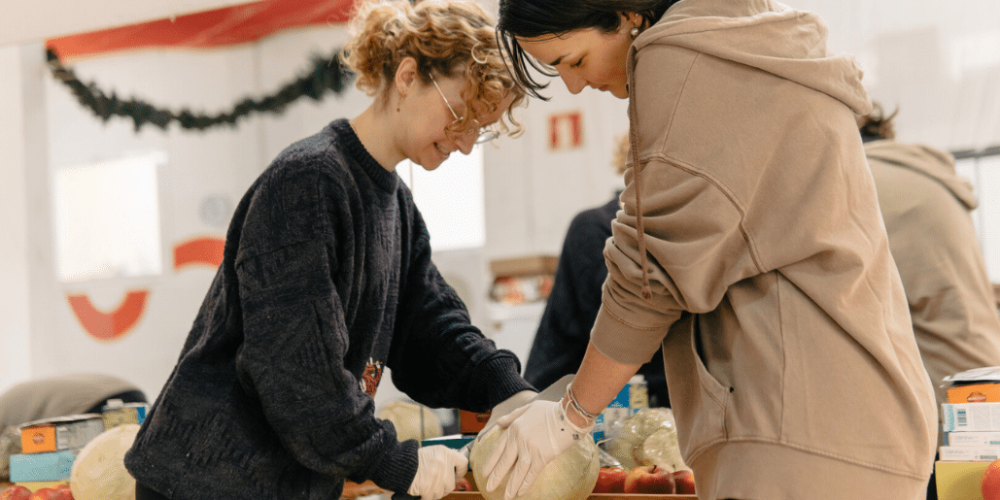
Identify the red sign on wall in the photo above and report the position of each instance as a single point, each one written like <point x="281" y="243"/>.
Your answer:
<point x="565" y="131"/>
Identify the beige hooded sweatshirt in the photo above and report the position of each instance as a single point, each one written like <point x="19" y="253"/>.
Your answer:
<point x="933" y="240"/>
<point x="790" y="358"/>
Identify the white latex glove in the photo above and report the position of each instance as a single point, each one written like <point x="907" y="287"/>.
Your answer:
<point x="536" y="434"/>
<point x="438" y="469"/>
<point x="506" y="406"/>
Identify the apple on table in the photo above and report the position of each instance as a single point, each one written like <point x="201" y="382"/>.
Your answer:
<point x="16" y="492"/>
<point x="684" y="482"/>
<point x="649" y="479"/>
<point x="610" y="480"/>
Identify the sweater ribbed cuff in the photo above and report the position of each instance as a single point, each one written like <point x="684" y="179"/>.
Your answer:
<point x="397" y="468"/>
<point x="501" y="380"/>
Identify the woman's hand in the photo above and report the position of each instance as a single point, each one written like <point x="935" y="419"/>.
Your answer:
<point x="438" y="469"/>
<point x="536" y="434"/>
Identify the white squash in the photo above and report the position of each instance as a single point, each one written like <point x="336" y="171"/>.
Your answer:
<point x="99" y="472"/>
<point x="571" y="476"/>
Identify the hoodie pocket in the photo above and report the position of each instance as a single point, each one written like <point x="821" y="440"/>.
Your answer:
<point x="698" y="400"/>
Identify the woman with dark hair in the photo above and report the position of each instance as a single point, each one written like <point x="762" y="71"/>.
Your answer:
<point x="750" y="247"/>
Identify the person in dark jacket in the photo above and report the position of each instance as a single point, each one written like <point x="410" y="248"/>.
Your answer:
<point x="571" y="309"/>
<point x="327" y="279"/>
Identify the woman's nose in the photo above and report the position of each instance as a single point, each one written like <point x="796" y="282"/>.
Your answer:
<point x="573" y="80"/>
<point x="466" y="141"/>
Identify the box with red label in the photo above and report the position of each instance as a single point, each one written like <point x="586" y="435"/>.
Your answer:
<point x="62" y="433"/>
<point x="974" y="393"/>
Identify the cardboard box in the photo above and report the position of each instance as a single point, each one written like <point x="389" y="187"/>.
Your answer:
<point x="959" y="480"/>
<point x="63" y="433"/>
<point x="116" y="413"/>
<point x="32" y="467"/>
<point x="969" y="453"/>
<point x="970" y="417"/>
<point x="472" y="422"/>
<point x="524" y="266"/>
<point x="454" y="441"/>
<point x="972" y="438"/>
<point x="974" y="393"/>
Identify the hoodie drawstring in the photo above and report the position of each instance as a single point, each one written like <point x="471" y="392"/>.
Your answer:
<point x="634" y="152"/>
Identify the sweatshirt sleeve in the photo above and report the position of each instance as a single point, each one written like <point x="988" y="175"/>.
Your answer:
<point x="295" y="341"/>
<point x="697" y="247"/>
<point x="438" y="357"/>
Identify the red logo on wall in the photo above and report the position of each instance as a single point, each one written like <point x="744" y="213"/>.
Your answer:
<point x="111" y="325"/>
<point x="565" y="130"/>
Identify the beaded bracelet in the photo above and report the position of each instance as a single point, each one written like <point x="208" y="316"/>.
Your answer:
<point x="572" y="400"/>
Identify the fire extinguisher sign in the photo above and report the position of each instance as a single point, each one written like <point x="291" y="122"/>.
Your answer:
<point x="565" y="130"/>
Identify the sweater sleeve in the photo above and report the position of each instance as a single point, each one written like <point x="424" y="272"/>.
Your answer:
<point x="697" y="247"/>
<point x="295" y="341"/>
<point x="438" y="358"/>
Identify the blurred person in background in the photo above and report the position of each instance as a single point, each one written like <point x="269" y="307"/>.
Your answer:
<point x="926" y="207"/>
<point x="570" y="311"/>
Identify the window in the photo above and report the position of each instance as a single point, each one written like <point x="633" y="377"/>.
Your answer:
<point x="450" y="199"/>
<point x="107" y="218"/>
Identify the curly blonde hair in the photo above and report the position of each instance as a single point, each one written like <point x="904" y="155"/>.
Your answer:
<point x="619" y="158"/>
<point x="445" y="37"/>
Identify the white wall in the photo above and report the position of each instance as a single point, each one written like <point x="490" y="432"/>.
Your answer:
<point x="531" y="192"/>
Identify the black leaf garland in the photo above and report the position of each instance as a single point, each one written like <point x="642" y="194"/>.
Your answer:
<point x="327" y="74"/>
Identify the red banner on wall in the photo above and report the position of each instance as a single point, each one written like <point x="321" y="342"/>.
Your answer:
<point x="230" y="25"/>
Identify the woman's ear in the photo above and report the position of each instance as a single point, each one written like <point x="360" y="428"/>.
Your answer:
<point x="406" y="76"/>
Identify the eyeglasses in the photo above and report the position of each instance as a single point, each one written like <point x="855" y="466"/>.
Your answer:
<point x="485" y="134"/>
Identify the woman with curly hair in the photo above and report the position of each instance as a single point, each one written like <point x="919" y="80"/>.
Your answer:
<point x="327" y="278"/>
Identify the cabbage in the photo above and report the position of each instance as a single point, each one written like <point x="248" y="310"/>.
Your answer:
<point x="98" y="472"/>
<point x="571" y="476"/>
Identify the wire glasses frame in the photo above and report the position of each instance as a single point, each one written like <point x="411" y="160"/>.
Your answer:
<point x="486" y="134"/>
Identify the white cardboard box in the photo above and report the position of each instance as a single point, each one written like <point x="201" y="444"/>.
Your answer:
<point x="969" y="453"/>
<point x="972" y="438"/>
<point x="970" y="417"/>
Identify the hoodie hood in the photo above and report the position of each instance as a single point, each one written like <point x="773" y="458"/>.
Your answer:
<point x="932" y="162"/>
<point x="766" y="35"/>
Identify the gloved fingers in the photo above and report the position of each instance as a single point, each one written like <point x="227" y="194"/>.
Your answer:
<point x="530" y="477"/>
<point x="517" y="476"/>
<point x="500" y="462"/>
<point x="506" y="420"/>
<point x="461" y="465"/>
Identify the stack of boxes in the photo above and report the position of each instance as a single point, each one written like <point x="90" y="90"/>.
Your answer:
<point x="49" y="447"/>
<point x="971" y="433"/>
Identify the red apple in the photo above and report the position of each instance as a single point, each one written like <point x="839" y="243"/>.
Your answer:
<point x="684" y="482"/>
<point x="990" y="483"/>
<point x="44" y="494"/>
<point x="63" y="492"/>
<point x="16" y="492"/>
<point x="463" y="485"/>
<point x="610" y="480"/>
<point x="649" y="479"/>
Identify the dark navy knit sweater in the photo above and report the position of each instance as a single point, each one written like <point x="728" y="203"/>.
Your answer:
<point x="326" y="279"/>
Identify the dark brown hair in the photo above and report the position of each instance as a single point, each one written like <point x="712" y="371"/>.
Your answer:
<point x="876" y="125"/>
